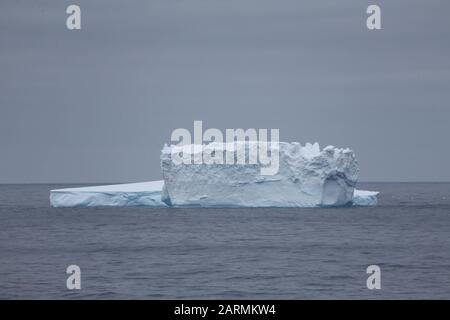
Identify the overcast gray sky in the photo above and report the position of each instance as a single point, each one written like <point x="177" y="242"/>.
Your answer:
<point x="96" y="105"/>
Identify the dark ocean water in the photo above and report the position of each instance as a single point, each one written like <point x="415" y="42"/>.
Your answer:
<point x="227" y="253"/>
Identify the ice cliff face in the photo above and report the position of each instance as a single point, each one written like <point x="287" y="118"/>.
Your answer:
<point x="306" y="177"/>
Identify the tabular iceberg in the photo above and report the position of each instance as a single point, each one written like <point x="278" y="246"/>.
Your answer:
<point x="119" y="195"/>
<point x="145" y="194"/>
<point x="306" y="177"/>
<point x="365" y="198"/>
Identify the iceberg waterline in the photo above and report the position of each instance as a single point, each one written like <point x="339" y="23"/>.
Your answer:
<point x="145" y="194"/>
<point x="307" y="177"/>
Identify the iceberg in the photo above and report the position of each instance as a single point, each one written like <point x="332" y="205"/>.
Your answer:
<point x="143" y="194"/>
<point x="307" y="177"/>
<point x="119" y="195"/>
<point x="365" y="198"/>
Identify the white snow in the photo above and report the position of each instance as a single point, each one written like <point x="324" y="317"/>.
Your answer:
<point x="307" y="177"/>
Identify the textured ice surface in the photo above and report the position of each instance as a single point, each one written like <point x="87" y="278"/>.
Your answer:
<point x="307" y="177"/>
<point x="131" y="194"/>
<point x="146" y="194"/>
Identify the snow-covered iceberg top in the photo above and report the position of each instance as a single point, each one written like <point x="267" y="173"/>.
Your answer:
<point x="306" y="177"/>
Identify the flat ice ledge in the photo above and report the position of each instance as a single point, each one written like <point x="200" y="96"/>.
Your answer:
<point x="118" y="195"/>
<point x="145" y="194"/>
<point x="365" y="198"/>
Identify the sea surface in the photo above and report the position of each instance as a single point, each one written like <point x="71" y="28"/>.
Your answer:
<point x="149" y="253"/>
